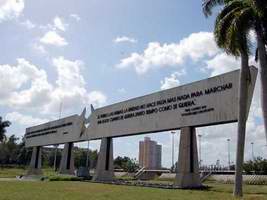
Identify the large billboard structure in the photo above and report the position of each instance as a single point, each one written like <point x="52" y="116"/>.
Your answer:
<point x="203" y="103"/>
<point x="207" y="102"/>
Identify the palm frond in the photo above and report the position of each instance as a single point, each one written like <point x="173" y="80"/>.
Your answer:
<point x="259" y="7"/>
<point x="238" y="32"/>
<point x="223" y="22"/>
<point x="231" y="27"/>
<point x="208" y="5"/>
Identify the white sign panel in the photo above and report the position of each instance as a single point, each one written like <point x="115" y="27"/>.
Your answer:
<point x="60" y="131"/>
<point x="206" y="102"/>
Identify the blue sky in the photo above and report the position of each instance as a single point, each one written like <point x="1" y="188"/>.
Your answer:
<point x="101" y="52"/>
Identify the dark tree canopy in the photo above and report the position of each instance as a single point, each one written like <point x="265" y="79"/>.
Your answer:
<point x="3" y="126"/>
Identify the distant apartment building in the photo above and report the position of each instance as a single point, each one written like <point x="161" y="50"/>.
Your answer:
<point x="149" y="154"/>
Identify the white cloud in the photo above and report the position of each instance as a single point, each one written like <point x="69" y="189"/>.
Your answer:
<point x="25" y="87"/>
<point x="195" y="46"/>
<point x="124" y="39"/>
<point x="97" y="98"/>
<point x="59" y="24"/>
<point x="70" y="87"/>
<point x="14" y="78"/>
<point x="53" y="38"/>
<point x="68" y="73"/>
<point x="28" y="24"/>
<point x="24" y="120"/>
<point x="76" y="17"/>
<point x="10" y="9"/>
<point x="171" y="81"/>
<point x="39" y="48"/>
<point x="222" y="63"/>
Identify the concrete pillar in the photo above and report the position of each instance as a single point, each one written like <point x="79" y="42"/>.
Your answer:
<point x="104" y="167"/>
<point x="67" y="160"/>
<point x="36" y="162"/>
<point x="187" y="175"/>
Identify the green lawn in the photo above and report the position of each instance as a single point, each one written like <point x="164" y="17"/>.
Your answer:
<point x="13" y="172"/>
<point x="63" y="190"/>
<point x="25" y="190"/>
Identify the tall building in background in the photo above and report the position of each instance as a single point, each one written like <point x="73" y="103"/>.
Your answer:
<point x="149" y="154"/>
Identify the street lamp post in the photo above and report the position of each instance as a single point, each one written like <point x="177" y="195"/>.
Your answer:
<point x="229" y="158"/>
<point x="87" y="156"/>
<point x="252" y="150"/>
<point x="173" y="133"/>
<point x="55" y="158"/>
<point x="199" y="150"/>
<point x="56" y="146"/>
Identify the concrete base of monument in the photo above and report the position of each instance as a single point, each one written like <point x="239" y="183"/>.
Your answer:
<point x="67" y="160"/>
<point x="104" y="176"/>
<point x="35" y="167"/>
<point x="188" y="181"/>
<point x="104" y="168"/>
<point x="187" y="175"/>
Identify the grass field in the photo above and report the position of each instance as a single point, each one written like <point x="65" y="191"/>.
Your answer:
<point x="18" y="190"/>
<point x="69" y="190"/>
<point x="13" y="172"/>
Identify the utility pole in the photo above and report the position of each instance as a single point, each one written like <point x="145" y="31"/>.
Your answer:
<point x="199" y="149"/>
<point x="229" y="158"/>
<point x="173" y="133"/>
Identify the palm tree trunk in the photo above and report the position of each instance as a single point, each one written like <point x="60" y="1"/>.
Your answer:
<point x="263" y="75"/>
<point x="242" y="118"/>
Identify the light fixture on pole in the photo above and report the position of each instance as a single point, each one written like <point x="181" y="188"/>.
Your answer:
<point x="173" y="167"/>
<point x="199" y="149"/>
<point x="229" y="158"/>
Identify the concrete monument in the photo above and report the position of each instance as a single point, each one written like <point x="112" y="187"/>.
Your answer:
<point x="207" y="102"/>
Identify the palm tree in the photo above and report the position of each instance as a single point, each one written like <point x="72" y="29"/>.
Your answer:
<point x="255" y="11"/>
<point x="3" y="126"/>
<point x="231" y="34"/>
<point x="259" y="9"/>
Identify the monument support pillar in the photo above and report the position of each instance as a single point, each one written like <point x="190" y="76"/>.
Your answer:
<point x="67" y="160"/>
<point x="36" y="162"/>
<point x="187" y="175"/>
<point x="104" y="167"/>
